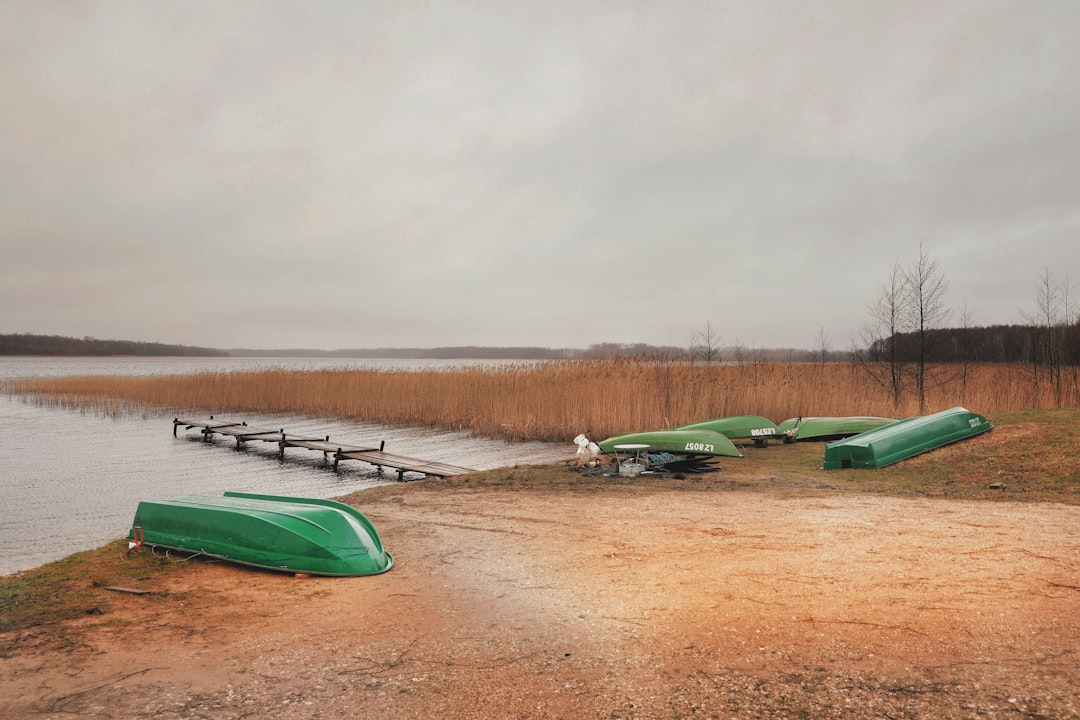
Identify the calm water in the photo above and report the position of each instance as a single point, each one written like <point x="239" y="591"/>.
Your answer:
<point x="71" y="480"/>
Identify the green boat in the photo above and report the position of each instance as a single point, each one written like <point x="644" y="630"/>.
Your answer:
<point x="680" y="441"/>
<point x="829" y="428"/>
<point x="291" y="534"/>
<point x="739" y="427"/>
<point x="903" y="439"/>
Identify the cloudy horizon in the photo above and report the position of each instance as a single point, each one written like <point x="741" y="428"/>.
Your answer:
<point x="377" y="174"/>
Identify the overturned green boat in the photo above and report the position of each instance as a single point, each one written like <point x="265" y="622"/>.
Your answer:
<point x="679" y="441"/>
<point x="738" y="427"/>
<point x="829" y="428"/>
<point x="903" y="439"/>
<point x="291" y="534"/>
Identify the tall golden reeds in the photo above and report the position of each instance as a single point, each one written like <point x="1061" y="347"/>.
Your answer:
<point x="550" y="400"/>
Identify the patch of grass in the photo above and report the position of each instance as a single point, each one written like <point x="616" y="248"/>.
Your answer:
<point x="73" y="586"/>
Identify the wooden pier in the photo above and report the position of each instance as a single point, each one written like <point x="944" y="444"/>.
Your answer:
<point x="376" y="456"/>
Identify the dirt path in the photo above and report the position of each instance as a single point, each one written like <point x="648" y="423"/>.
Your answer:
<point x="610" y="604"/>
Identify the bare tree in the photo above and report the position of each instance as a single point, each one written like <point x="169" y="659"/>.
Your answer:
<point x="1048" y="322"/>
<point x="964" y="350"/>
<point x="705" y="344"/>
<point x="925" y="312"/>
<point x="741" y="352"/>
<point x="821" y="351"/>
<point x="882" y="359"/>
<point x="1070" y="340"/>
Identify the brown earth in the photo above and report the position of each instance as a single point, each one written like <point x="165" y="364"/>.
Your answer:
<point x="618" y="602"/>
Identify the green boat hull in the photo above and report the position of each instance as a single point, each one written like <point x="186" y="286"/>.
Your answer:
<point x="301" y="535"/>
<point x="903" y="439"/>
<point x="739" y="427"/>
<point x="829" y="428"/>
<point x="678" y="441"/>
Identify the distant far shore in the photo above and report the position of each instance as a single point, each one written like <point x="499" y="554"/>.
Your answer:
<point x="58" y="346"/>
<point x="990" y="344"/>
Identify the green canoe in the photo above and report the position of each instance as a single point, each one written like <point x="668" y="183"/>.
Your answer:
<point x="829" y="428"/>
<point x="302" y="535"/>
<point x="903" y="439"/>
<point x="685" y="442"/>
<point x="739" y="427"/>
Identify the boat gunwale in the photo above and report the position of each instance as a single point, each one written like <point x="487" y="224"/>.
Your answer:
<point x="262" y="566"/>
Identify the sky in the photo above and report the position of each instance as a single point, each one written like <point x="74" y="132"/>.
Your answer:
<point x="353" y="174"/>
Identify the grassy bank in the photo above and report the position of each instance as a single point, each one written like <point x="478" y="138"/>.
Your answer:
<point x="552" y="400"/>
<point x="73" y="587"/>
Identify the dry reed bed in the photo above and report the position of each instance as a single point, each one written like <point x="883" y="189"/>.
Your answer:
<point x="549" y="400"/>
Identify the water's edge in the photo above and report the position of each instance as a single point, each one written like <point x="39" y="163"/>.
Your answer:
<point x="71" y="480"/>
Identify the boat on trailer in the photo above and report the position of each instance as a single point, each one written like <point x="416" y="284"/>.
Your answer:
<point x="289" y="534"/>
<point x="903" y="439"/>
<point x="829" y="428"/>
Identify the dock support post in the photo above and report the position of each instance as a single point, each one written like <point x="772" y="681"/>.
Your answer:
<point x="175" y="422"/>
<point x="281" y="445"/>
<point x="382" y="445"/>
<point x="337" y="457"/>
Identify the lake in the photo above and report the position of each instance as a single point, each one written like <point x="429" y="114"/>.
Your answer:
<point x="71" y="480"/>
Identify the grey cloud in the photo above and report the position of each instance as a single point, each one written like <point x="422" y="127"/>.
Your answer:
<point x="344" y="174"/>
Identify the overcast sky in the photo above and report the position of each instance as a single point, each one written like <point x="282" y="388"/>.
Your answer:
<point x="381" y="174"/>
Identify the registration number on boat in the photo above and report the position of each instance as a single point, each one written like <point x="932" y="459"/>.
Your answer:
<point x="698" y="447"/>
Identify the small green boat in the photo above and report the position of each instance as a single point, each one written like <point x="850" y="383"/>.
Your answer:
<point x="681" y="441"/>
<point x="738" y="427"/>
<point x="301" y="535"/>
<point x="903" y="439"/>
<point x="829" y="428"/>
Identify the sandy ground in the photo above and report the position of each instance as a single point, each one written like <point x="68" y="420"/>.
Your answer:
<point x="620" y="603"/>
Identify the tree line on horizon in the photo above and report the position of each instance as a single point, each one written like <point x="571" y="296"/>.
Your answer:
<point x="29" y="344"/>
<point x="991" y="344"/>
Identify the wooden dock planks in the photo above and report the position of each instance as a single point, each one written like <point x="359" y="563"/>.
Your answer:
<point x="428" y="467"/>
<point x="376" y="456"/>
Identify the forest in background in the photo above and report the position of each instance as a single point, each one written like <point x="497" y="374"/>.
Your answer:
<point x="27" y="344"/>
